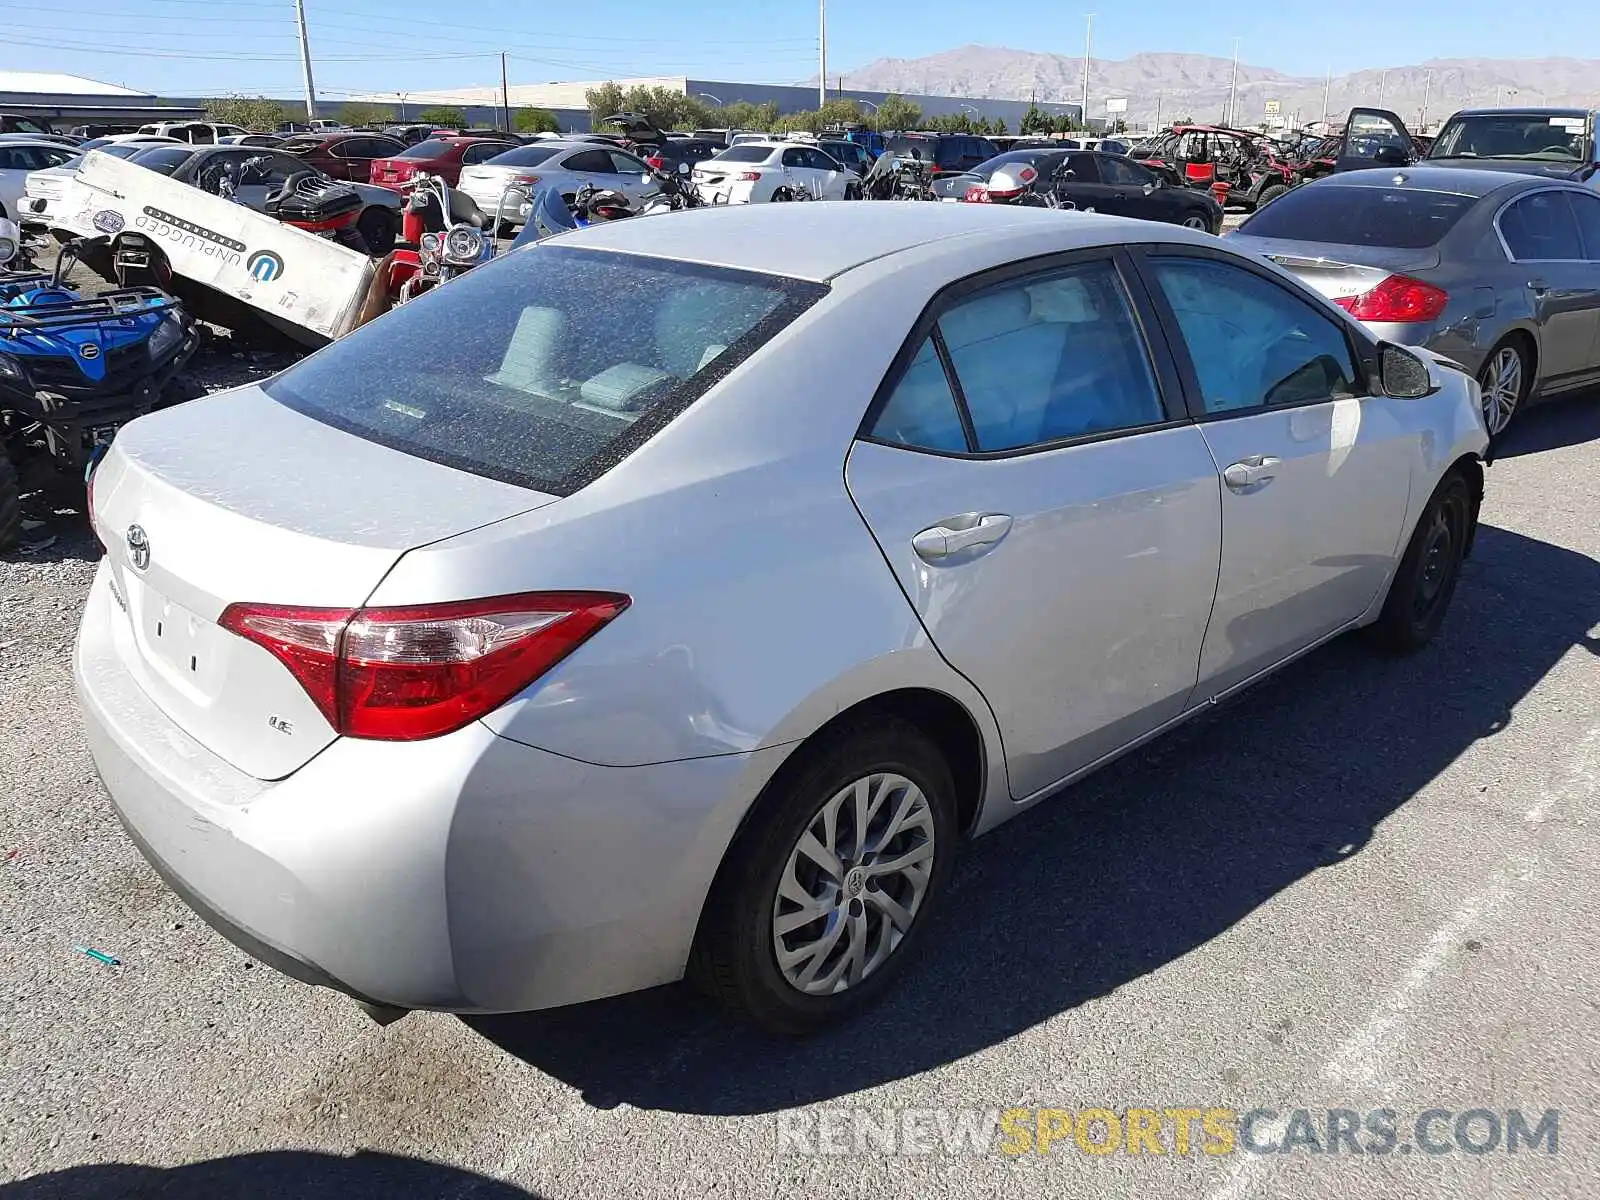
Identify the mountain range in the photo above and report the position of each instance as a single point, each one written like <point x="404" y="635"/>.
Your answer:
<point x="1197" y="85"/>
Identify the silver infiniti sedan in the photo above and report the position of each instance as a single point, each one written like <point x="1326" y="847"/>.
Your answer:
<point x="599" y="645"/>
<point x="1497" y="271"/>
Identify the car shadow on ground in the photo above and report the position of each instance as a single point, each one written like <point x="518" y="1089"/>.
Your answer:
<point x="1565" y="422"/>
<point x="274" y="1175"/>
<point x="1131" y="869"/>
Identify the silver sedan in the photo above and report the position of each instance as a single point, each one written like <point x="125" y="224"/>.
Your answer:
<point x="1499" y="272"/>
<point x="567" y="166"/>
<point x="598" y="645"/>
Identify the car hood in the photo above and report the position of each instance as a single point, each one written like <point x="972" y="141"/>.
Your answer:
<point x="1519" y="166"/>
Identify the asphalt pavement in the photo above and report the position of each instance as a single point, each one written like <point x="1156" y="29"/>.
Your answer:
<point x="1368" y="885"/>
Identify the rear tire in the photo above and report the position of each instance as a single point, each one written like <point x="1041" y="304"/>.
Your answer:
<point x="753" y="957"/>
<point x="377" y="229"/>
<point x="1423" y="584"/>
<point x="1505" y="380"/>
<point x="10" y="503"/>
<point x="1199" y="220"/>
<point x="1269" y="194"/>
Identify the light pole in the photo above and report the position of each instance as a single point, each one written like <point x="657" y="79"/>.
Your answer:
<point x="1427" y="86"/>
<point x="402" y="98"/>
<point x="874" y="109"/>
<point x="305" y="60"/>
<point x="1088" y="44"/>
<point x="1383" y="86"/>
<point x="822" y="43"/>
<point x="1233" y="89"/>
<point x="1327" y="90"/>
<point x="710" y="97"/>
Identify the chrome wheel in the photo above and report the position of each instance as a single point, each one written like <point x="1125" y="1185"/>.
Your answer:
<point x="1501" y="381"/>
<point x="853" y="884"/>
<point x="1197" y="222"/>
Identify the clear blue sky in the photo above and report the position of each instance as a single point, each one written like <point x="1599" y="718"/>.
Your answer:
<point x="184" y="47"/>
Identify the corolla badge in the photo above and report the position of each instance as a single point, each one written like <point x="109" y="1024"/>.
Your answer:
<point x="138" y="547"/>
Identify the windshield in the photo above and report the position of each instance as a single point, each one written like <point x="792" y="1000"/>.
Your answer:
<point x="1560" y="138"/>
<point x="546" y="367"/>
<point x="745" y="154"/>
<point x="432" y="148"/>
<point x="525" y="156"/>
<point x="1402" y="218"/>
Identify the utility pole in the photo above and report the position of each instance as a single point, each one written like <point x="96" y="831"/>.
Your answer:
<point x="1088" y="43"/>
<point x="1427" y="86"/>
<point x="305" y="60"/>
<point x="1383" y="86"/>
<point x="505" y="91"/>
<point x="1158" y="112"/>
<point x="1233" y="89"/>
<point x="822" y="43"/>
<point x="1327" y="90"/>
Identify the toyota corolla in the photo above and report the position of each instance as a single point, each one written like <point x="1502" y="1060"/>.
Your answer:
<point x="617" y="639"/>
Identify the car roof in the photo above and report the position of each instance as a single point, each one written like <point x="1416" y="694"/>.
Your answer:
<point x="1522" y="112"/>
<point x="1459" y="181"/>
<point x="821" y="241"/>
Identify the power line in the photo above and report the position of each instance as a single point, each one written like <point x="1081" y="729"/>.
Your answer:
<point x="392" y="56"/>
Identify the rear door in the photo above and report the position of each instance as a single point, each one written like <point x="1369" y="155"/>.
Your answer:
<point x="1539" y="231"/>
<point x="1316" y="465"/>
<point x="1374" y="137"/>
<point x="1048" y="510"/>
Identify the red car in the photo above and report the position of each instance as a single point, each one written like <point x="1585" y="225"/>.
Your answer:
<point x="343" y="155"/>
<point x="441" y="156"/>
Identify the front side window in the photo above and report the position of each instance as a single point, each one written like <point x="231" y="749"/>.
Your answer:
<point x="547" y="360"/>
<point x="1541" y="228"/>
<point x="1254" y="344"/>
<point x="1121" y="171"/>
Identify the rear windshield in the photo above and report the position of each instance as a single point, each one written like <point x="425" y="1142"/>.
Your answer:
<point x="749" y="154"/>
<point x="525" y="156"/>
<point x="1404" y="218"/>
<point x="164" y="159"/>
<point x="432" y="148"/>
<point x="1537" y="136"/>
<point x="546" y="367"/>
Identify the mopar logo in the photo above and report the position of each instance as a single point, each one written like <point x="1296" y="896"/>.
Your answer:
<point x="265" y="266"/>
<point x="107" y="221"/>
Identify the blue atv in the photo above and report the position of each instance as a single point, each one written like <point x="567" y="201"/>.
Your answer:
<point x="73" y="368"/>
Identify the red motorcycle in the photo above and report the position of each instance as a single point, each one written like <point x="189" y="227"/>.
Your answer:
<point x="442" y="234"/>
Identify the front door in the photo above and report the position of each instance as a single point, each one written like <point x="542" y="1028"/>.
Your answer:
<point x="1316" y="473"/>
<point x="1078" y="180"/>
<point x="1374" y="137"/>
<point x="1541" y="234"/>
<point x="1053" y="522"/>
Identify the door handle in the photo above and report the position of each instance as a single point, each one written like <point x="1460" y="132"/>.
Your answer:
<point x="1538" y="287"/>
<point x="1250" y="472"/>
<point x="955" y="534"/>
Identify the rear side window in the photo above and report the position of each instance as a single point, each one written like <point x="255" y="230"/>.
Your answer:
<point x="1541" y="228"/>
<point x="555" y="364"/>
<point x="1038" y="360"/>
<point x="525" y="156"/>
<point x="745" y="154"/>
<point x="164" y="159"/>
<point x="432" y="148"/>
<point x="1404" y="218"/>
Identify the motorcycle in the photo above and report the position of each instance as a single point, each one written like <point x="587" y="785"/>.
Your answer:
<point x="677" y="191"/>
<point x="896" y="178"/>
<point x="74" y="368"/>
<point x="442" y="234"/>
<point x="307" y="200"/>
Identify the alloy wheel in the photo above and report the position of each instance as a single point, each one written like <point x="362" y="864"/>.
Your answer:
<point x="853" y="884"/>
<point x="1197" y="222"/>
<point x="1501" y="382"/>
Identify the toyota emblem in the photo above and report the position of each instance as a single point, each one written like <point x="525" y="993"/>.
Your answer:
<point x="138" y="547"/>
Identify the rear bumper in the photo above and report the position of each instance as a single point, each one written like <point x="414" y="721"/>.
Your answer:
<point x="466" y="873"/>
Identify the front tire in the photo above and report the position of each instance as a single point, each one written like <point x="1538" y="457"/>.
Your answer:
<point x="377" y="229"/>
<point x="1423" y="584"/>
<point x="827" y="892"/>
<point x="1269" y="194"/>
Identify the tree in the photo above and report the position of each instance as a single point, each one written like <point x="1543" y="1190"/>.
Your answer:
<point x="356" y="114"/>
<point x="808" y="121"/>
<point x="840" y="111"/>
<point x="898" y="113"/>
<point x="1034" y="121"/>
<point x="602" y="101"/>
<point x="1185" y="119"/>
<point x="445" y="117"/>
<point x="535" y="120"/>
<point x="1000" y="129"/>
<point x="742" y="114"/>
<point x="250" y="112"/>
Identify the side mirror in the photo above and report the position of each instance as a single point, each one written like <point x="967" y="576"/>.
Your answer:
<point x="1150" y="187"/>
<point x="1404" y="375"/>
<point x="645" y="179"/>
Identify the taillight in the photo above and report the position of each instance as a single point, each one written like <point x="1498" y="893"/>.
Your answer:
<point x="525" y="179"/>
<point x="748" y="176"/>
<point x="401" y="674"/>
<point x="978" y="194"/>
<point x="1397" y="299"/>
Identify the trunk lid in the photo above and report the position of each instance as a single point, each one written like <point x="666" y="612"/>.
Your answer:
<point x="1338" y="270"/>
<point x="237" y="498"/>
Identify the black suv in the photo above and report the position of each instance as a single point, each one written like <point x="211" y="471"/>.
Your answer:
<point x="950" y="153"/>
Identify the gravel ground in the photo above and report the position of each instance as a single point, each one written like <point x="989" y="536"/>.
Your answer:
<point x="1367" y="884"/>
